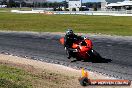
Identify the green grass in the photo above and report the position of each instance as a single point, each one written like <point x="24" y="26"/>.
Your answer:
<point x="59" y="23"/>
<point x="11" y="77"/>
<point x="17" y="77"/>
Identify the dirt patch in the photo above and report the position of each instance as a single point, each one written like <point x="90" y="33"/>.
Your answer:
<point x="47" y="75"/>
<point x="51" y="75"/>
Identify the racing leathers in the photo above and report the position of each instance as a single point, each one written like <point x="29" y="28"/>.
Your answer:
<point x="69" y="40"/>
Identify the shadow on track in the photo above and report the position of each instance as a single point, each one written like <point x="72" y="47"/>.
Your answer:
<point x="101" y="60"/>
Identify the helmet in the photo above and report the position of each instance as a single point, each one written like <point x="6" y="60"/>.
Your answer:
<point x="69" y="32"/>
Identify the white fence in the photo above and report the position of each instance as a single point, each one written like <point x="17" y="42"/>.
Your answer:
<point x="3" y="6"/>
<point x="109" y="13"/>
<point x="93" y="12"/>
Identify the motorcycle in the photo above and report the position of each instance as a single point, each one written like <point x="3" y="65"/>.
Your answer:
<point x="83" y="49"/>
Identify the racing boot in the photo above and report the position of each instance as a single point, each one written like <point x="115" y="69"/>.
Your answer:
<point x="69" y="54"/>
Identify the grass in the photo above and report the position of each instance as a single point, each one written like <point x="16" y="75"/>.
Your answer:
<point x="59" y="23"/>
<point x="17" y="77"/>
<point x="11" y="77"/>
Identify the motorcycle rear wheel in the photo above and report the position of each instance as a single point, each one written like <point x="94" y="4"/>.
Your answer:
<point x="95" y="56"/>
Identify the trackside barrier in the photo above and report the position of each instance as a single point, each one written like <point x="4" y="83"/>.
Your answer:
<point x="105" y="13"/>
<point x="39" y="11"/>
<point x="49" y="13"/>
<point x="109" y="13"/>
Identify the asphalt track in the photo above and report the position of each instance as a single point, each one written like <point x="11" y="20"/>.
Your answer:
<point x="46" y="47"/>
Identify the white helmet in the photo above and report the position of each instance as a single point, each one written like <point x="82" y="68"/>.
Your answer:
<point x="69" y="32"/>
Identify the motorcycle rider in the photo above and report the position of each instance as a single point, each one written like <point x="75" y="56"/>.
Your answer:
<point x="70" y="38"/>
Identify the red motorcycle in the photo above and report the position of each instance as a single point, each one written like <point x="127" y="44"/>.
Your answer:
<point x="82" y="49"/>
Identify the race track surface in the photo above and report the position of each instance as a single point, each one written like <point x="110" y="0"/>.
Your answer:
<point x="46" y="47"/>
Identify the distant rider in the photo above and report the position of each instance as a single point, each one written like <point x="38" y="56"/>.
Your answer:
<point x="70" y="38"/>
